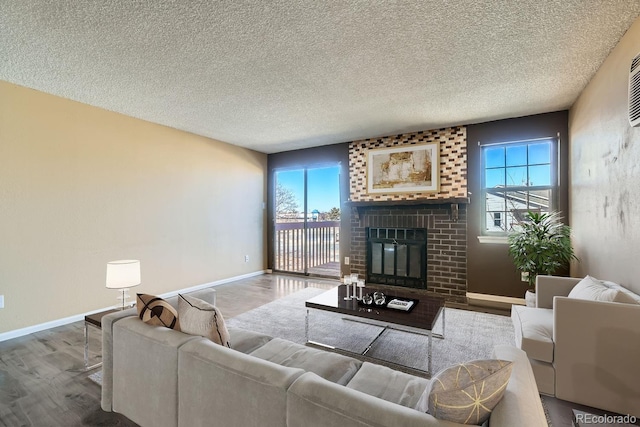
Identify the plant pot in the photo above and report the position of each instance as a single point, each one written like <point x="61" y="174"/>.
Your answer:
<point x="530" y="299"/>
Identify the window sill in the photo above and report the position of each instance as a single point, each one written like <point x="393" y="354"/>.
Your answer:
<point x="496" y="240"/>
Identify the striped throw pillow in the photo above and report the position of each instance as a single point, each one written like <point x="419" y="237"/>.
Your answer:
<point x="155" y="311"/>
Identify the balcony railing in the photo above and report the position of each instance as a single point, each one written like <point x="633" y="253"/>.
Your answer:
<point x="320" y="242"/>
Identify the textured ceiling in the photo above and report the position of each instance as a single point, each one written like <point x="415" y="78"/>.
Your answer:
<point x="285" y="74"/>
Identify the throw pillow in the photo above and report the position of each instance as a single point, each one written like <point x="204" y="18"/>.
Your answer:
<point x="625" y="298"/>
<point x="468" y="392"/>
<point x="198" y="317"/>
<point x="156" y="311"/>
<point x="592" y="289"/>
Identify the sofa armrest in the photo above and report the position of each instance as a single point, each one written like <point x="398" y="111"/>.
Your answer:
<point x="597" y="349"/>
<point x="548" y="287"/>
<point x="107" y="355"/>
<point x="145" y="371"/>
<point x="207" y="294"/>
<point x="315" y="402"/>
<point x="521" y="404"/>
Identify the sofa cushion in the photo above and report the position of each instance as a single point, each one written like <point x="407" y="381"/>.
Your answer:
<point x="155" y="311"/>
<point x="219" y="386"/>
<point x="388" y="384"/>
<point x="246" y="341"/>
<point x="330" y="366"/>
<point x="466" y="393"/>
<point x="533" y="329"/>
<point x="198" y="317"/>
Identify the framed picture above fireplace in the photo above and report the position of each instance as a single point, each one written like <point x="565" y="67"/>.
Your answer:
<point x="405" y="169"/>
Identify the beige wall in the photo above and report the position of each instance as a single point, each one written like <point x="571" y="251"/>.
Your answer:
<point x="605" y="172"/>
<point x="80" y="186"/>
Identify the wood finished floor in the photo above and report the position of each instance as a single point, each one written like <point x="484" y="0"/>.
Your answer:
<point x="41" y="379"/>
<point x="42" y="383"/>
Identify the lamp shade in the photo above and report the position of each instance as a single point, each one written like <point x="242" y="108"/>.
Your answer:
<point x="123" y="273"/>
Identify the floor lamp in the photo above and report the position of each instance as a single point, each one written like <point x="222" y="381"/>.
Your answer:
<point x="123" y="274"/>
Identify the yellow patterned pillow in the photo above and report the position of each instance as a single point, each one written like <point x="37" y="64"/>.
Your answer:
<point x="468" y="392"/>
<point x="155" y="311"/>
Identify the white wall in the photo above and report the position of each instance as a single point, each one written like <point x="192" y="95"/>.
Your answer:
<point x="605" y="172"/>
<point x="80" y="186"/>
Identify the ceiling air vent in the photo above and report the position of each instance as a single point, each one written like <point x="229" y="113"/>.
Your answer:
<point x="634" y="92"/>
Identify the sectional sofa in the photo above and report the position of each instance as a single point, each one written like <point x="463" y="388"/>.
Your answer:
<point x="162" y="377"/>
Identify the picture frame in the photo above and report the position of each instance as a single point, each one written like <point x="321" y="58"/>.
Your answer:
<point x="404" y="169"/>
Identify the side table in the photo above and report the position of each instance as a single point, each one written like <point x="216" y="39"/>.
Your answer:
<point x="94" y="320"/>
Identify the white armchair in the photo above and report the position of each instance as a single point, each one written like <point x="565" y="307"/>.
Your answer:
<point x="583" y="351"/>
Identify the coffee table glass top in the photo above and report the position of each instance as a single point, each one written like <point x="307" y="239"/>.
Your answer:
<point x="423" y="315"/>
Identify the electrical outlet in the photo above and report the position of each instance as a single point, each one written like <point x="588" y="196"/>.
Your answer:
<point x="346" y="260"/>
<point x="246" y="258"/>
<point x="524" y="276"/>
<point x="1" y="301"/>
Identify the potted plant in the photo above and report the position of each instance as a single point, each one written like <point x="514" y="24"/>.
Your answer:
<point x="541" y="245"/>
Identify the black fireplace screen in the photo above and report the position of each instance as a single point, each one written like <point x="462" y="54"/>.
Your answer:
<point x="397" y="256"/>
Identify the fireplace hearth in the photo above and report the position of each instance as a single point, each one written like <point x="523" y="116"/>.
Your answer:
<point x="397" y="256"/>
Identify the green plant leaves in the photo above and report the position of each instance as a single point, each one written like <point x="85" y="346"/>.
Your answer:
<point x="542" y="245"/>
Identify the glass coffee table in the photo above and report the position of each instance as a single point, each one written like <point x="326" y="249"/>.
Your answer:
<point x="421" y="319"/>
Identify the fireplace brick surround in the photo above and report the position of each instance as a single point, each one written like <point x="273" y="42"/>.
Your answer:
<point x="446" y="242"/>
<point x="446" y="235"/>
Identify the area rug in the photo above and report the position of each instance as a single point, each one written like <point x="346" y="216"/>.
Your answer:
<point x="96" y="377"/>
<point x="469" y="335"/>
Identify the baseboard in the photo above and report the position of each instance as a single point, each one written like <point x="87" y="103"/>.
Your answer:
<point x="211" y="284"/>
<point x="497" y="301"/>
<point x="78" y="317"/>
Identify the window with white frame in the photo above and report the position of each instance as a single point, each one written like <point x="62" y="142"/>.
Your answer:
<point x="517" y="177"/>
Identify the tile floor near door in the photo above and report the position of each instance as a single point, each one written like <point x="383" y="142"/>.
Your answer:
<point x="42" y="383"/>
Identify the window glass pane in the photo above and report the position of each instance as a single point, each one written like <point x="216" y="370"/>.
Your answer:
<point x="517" y="156"/>
<point x="495" y="202"/>
<point x="289" y="195"/>
<point x="389" y="259"/>
<point x="376" y="258"/>
<point x="517" y="177"/>
<point x="494" y="157"/>
<point x="540" y="153"/>
<point x="494" y="178"/>
<point x="511" y="222"/>
<point x="495" y="222"/>
<point x="497" y="219"/>
<point x="539" y="200"/>
<point x="540" y="175"/>
<point x="402" y="260"/>
<point x="415" y="261"/>
<point x="518" y="203"/>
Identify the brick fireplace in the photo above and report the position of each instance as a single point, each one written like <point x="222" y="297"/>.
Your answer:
<point x="443" y="214"/>
<point x="446" y="257"/>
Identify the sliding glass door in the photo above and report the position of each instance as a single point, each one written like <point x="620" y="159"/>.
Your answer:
<point x="307" y="220"/>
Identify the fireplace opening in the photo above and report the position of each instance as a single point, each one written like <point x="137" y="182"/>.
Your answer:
<point x="397" y="256"/>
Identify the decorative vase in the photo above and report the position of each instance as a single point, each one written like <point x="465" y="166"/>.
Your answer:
<point x="379" y="298"/>
<point x="530" y="299"/>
